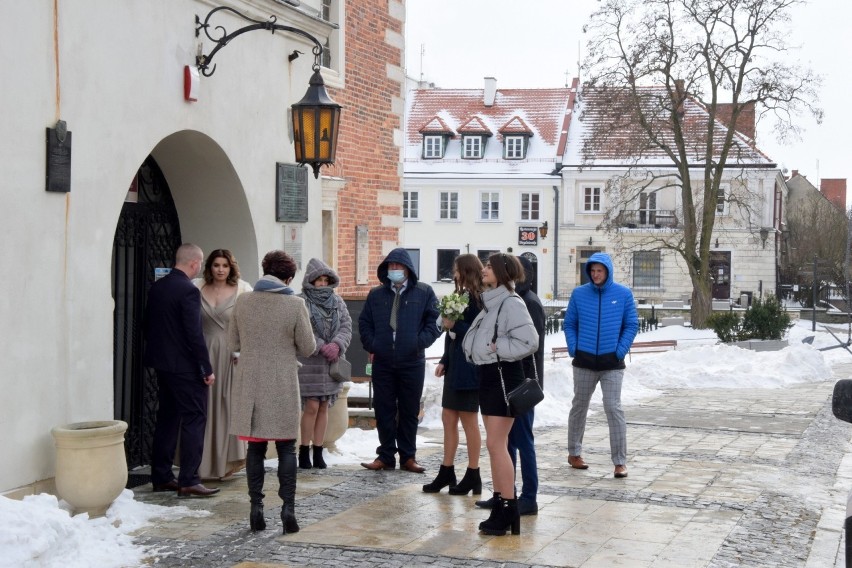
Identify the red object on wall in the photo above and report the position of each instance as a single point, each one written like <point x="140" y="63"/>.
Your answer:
<point x="190" y="83"/>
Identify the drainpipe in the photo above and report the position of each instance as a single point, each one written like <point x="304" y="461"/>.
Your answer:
<point x="556" y="242"/>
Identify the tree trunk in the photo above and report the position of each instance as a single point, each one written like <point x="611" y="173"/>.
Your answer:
<point x="702" y="305"/>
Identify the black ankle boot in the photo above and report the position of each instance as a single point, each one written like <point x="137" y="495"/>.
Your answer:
<point x="305" y="457"/>
<point x="288" y="519"/>
<point x="470" y="482"/>
<point x="446" y="476"/>
<point x="504" y="516"/>
<point x="319" y="463"/>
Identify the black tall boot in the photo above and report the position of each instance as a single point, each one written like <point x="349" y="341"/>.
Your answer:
<point x="470" y="482"/>
<point x="287" y="484"/>
<point x="446" y="476"/>
<point x="319" y="463"/>
<point x="304" y="457"/>
<point x="255" y="472"/>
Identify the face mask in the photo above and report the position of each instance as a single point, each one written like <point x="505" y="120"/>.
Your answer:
<point x="396" y="276"/>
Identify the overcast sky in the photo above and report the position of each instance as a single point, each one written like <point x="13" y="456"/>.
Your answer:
<point x="535" y="43"/>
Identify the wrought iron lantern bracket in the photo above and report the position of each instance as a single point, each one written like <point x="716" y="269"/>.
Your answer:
<point x="203" y="61"/>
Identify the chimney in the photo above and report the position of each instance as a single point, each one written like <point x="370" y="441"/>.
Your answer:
<point x="679" y="97"/>
<point x="745" y="122"/>
<point x="490" y="91"/>
<point x="794" y="173"/>
<point x="835" y="191"/>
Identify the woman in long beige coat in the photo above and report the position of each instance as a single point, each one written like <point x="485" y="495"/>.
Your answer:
<point x="269" y="328"/>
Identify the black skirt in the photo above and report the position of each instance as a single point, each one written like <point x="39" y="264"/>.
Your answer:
<point x="460" y="400"/>
<point x="492" y="401"/>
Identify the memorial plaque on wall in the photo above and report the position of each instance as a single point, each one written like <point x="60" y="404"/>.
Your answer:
<point x="293" y="243"/>
<point x="58" y="176"/>
<point x="362" y="254"/>
<point x="291" y="193"/>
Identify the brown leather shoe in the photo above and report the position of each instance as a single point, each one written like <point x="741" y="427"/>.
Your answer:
<point x="412" y="466"/>
<point x="168" y="486"/>
<point x="196" y="490"/>
<point x="377" y="465"/>
<point x="577" y="462"/>
<point x="620" y="471"/>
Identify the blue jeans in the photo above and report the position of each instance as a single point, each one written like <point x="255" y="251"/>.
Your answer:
<point x="522" y="440"/>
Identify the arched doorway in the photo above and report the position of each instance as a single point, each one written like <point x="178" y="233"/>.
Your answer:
<point x="534" y="261"/>
<point x="186" y="190"/>
<point x="146" y="237"/>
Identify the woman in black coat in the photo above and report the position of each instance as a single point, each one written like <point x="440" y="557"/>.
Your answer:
<point x="460" y="400"/>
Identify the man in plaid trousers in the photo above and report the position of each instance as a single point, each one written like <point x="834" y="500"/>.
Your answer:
<point x="600" y="324"/>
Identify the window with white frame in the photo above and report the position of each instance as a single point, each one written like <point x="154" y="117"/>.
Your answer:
<point x="530" y="207"/>
<point x="446" y="257"/>
<point x="722" y="196"/>
<point x="647" y="270"/>
<point x="648" y="208"/>
<point x="449" y="207"/>
<point x="485" y="254"/>
<point x="471" y="147"/>
<point x="592" y="199"/>
<point x="513" y="148"/>
<point x="489" y="206"/>
<point x="410" y="205"/>
<point x="415" y="259"/>
<point x="433" y="146"/>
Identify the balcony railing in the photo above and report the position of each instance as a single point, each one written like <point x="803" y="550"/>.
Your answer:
<point x="648" y="219"/>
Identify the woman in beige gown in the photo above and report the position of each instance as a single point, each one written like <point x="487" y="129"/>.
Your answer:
<point x="220" y="285"/>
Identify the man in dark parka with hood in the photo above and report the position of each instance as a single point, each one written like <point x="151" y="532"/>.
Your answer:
<point x="396" y="325"/>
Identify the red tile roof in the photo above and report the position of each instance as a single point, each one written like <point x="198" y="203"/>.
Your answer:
<point x="542" y="111"/>
<point x="612" y="134"/>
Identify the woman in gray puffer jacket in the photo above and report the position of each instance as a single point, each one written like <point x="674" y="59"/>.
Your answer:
<point x="332" y="327"/>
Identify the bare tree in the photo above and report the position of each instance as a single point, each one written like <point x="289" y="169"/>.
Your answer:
<point x="816" y="229"/>
<point x="659" y="70"/>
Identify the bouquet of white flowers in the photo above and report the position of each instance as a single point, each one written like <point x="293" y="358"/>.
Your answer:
<point x="453" y="305"/>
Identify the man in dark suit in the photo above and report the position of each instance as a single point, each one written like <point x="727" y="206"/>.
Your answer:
<point x="175" y="348"/>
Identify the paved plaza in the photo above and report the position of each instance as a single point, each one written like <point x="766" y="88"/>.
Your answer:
<point x="717" y="478"/>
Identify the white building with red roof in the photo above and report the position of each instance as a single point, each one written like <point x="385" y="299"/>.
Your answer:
<point x="620" y="195"/>
<point x="480" y="176"/>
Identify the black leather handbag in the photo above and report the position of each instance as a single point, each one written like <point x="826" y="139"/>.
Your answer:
<point x="526" y="395"/>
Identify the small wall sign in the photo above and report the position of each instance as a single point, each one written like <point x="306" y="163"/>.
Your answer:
<point x="528" y="236"/>
<point x="58" y="175"/>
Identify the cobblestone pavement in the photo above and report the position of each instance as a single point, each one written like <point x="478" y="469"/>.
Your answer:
<point x="718" y="478"/>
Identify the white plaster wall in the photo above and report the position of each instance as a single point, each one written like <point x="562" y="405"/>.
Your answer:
<point x="470" y="235"/>
<point x="120" y="67"/>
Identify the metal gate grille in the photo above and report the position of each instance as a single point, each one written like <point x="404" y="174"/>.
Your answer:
<point x="146" y="237"/>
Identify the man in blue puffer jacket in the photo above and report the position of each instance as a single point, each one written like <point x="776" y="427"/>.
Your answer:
<point x="395" y="339"/>
<point x="599" y="326"/>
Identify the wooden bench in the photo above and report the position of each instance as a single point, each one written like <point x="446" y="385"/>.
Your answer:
<point x="652" y="346"/>
<point x="639" y="346"/>
<point x="558" y="352"/>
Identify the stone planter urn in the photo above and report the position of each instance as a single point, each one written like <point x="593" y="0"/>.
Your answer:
<point x="338" y="418"/>
<point x="91" y="467"/>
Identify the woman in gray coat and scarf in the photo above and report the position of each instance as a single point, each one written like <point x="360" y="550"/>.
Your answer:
<point x="269" y="328"/>
<point x="332" y="327"/>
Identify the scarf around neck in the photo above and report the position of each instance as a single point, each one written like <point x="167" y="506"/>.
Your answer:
<point x="269" y="283"/>
<point x="322" y="305"/>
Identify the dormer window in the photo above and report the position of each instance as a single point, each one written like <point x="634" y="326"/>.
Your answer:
<point x="435" y="133"/>
<point x="514" y="148"/>
<point x="475" y="134"/>
<point x="472" y="147"/>
<point x="516" y="139"/>
<point x="433" y="146"/>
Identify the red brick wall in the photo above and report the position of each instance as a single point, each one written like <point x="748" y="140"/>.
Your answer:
<point x="366" y="156"/>
<point x="835" y="191"/>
